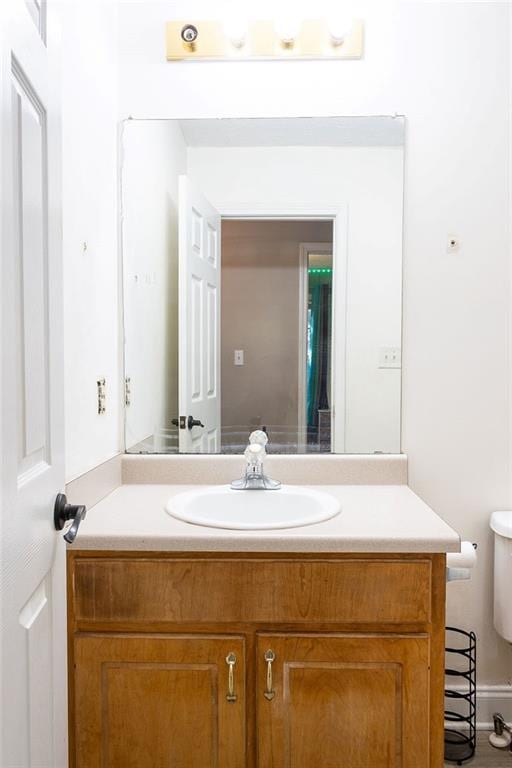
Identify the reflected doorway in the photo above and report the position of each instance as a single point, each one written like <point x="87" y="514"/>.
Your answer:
<point x="276" y="333"/>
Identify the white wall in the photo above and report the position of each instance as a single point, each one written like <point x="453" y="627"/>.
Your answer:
<point x="367" y="182"/>
<point x="154" y="156"/>
<point x="89" y="146"/>
<point x="446" y="67"/>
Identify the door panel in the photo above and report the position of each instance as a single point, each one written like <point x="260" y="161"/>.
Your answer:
<point x="199" y="320"/>
<point x="344" y="701"/>
<point x="143" y="702"/>
<point x="35" y="618"/>
<point x="31" y="288"/>
<point x="32" y="420"/>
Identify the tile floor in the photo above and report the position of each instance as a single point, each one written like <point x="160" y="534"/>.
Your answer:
<point x="486" y="756"/>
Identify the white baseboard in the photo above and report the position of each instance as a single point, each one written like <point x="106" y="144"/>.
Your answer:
<point x="489" y="699"/>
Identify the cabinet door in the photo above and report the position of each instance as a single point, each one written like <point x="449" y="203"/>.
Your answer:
<point x="343" y="701"/>
<point x="159" y="701"/>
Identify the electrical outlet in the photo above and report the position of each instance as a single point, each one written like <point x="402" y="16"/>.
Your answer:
<point x="102" y="396"/>
<point x="390" y="357"/>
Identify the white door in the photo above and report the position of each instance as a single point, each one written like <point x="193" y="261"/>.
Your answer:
<point x="33" y="632"/>
<point x="199" y="321"/>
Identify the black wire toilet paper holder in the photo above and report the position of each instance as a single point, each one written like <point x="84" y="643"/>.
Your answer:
<point x="460" y="738"/>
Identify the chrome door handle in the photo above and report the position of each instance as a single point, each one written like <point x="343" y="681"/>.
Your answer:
<point x="231" y="661"/>
<point x="62" y="512"/>
<point x="269" y="692"/>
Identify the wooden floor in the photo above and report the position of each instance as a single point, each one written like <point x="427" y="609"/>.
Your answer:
<point x="486" y="756"/>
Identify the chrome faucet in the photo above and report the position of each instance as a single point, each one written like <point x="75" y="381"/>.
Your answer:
<point x="254" y="478"/>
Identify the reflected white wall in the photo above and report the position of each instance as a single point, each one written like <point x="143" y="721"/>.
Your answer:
<point x="369" y="182"/>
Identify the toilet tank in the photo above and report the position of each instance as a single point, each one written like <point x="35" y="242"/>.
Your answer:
<point x="501" y="524"/>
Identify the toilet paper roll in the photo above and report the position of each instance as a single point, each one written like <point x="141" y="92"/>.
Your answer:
<point x="466" y="558"/>
<point x="458" y="574"/>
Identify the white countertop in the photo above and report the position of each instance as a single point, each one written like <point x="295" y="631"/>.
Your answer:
<point x="373" y="518"/>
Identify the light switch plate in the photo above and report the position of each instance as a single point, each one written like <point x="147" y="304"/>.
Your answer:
<point x="390" y="357"/>
<point x="239" y="357"/>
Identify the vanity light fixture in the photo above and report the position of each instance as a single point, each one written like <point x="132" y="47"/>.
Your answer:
<point x="339" y="27"/>
<point x="189" y="34"/>
<point x="236" y="29"/>
<point x="283" y="38"/>
<point x="287" y="30"/>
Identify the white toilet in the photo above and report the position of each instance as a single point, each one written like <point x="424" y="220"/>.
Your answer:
<point x="501" y="524"/>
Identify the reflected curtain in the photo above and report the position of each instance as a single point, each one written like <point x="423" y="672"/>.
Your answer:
<point x="318" y="357"/>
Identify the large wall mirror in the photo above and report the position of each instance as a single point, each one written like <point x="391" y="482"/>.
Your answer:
<point x="263" y="283"/>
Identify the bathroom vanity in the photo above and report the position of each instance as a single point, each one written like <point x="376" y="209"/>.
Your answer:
<point x="270" y="660"/>
<point x="314" y="646"/>
<point x="253" y="308"/>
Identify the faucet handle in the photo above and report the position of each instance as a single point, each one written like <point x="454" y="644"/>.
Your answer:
<point x="254" y="454"/>
<point x="258" y="437"/>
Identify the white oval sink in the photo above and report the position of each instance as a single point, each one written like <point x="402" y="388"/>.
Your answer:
<point x="291" y="506"/>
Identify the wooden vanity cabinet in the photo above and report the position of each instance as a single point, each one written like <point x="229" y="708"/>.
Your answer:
<point x="343" y="700"/>
<point x="255" y="661"/>
<point x="143" y="701"/>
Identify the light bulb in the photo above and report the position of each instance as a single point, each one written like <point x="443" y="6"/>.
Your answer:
<point x="236" y="29"/>
<point x="287" y="29"/>
<point x="339" y="28"/>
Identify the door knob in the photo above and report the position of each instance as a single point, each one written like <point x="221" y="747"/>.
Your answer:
<point x="191" y="422"/>
<point x="62" y="512"/>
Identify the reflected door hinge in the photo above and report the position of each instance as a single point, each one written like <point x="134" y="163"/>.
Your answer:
<point x="127" y="391"/>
